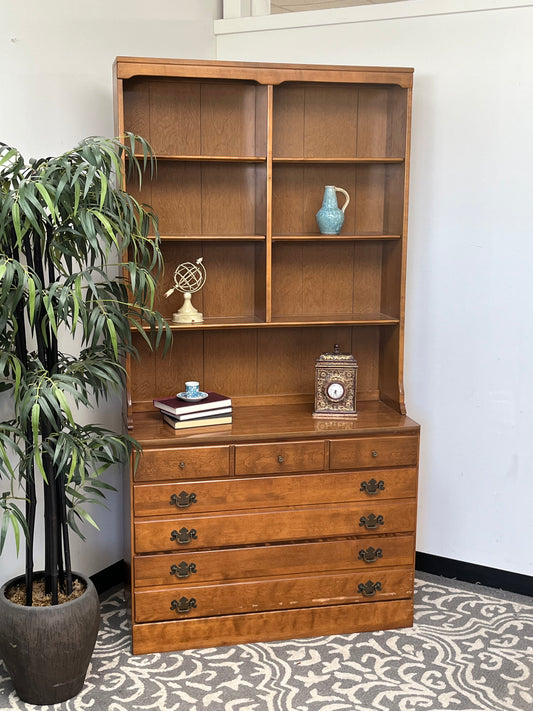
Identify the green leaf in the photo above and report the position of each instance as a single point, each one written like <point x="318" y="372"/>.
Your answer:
<point x="8" y="156"/>
<point x="6" y="520"/>
<point x="46" y="197"/>
<point x="35" y="417"/>
<point x="15" y="214"/>
<point x="87" y="517"/>
<point x="31" y="300"/>
<point x="60" y="397"/>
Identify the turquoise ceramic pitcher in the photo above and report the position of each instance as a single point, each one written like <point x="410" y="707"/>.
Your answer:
<point x="330" y="216"/>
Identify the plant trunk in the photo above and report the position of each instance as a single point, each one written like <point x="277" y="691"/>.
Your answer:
<point x="21" y="351"/>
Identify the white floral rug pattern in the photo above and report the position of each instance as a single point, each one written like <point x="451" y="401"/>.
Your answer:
<point x="468" y="651"/>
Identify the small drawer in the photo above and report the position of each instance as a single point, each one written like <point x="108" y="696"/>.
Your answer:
<point x="190" y="568"/>
<point x="279" y="458"/>
<point x="272" y="594"/>
<point x="268" y="491"/>
<point x="183" y="463"/>
<point x="190" y="532"/>
<point x="366" y="452"/>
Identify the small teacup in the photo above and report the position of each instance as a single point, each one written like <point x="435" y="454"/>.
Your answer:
<point x="192" y="388"/>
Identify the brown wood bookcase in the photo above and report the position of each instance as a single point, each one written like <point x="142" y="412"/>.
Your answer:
<point x="244" y="151"/>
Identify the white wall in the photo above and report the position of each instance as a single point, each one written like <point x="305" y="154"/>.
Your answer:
<point x="468" y="375"/>
<point x="56" y="88"/>
<point x="468" y="379"/>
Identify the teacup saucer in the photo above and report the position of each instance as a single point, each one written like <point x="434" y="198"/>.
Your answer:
<point x="200" y="396"/>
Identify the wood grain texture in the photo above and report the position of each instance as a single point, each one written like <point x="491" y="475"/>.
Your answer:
<point x="277" y="421"/>
<point x="374" y="452"/>
<point x="182" y="463"/>
<point x="278" y="458"/>
<point x="283" y="559"/>
<point x="287" y="511"/>
<point x="272" y="594"/>
<point x="286" y="624"/>
<point x="256" y="492"/>
<point x="273" y="525"/>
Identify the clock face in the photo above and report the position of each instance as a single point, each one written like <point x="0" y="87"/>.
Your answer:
<point x="335" y="391"/>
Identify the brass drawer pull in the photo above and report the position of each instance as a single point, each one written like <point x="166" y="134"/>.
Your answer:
<point x="182" y="465"/>
<point x="371" y="521"/>
<point x="183" y="605"/>
<point x="183" y="500"/>
<point x="372" y="487"/>
<point x="280" y="459"/>
<point x="374" y="453"/>
<point x="183" y="569"/>
<point x="183" y="536"/>
<point x="369" y="588"/>
<point x="371" y="555"/>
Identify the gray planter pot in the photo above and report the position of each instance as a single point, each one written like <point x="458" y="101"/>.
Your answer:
<point x="47" y="650"/>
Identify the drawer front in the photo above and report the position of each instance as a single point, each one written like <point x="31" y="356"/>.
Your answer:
<point x="183" y="463"/>
<point x="262" y="492"/>
<point x="223" y="530"/>
<point x="274" y="594"/>
<point x="363" y="452"/>
<point x="190" y="568"/>
<point x="279" y="458"/>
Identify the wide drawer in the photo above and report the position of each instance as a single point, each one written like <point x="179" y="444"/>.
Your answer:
<point x="314" y="522"/>
<point x="282" y="559"/>
<point x="183" y="463"/>
<point x="363" y="452"/>
<point x="279" y="458"/>
<point x="216" y="631"/>
<point x="262" y="492"/>
<point x="273" y="594"/>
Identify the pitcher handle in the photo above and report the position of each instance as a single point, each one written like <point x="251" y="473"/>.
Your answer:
<point x="341" y="190"/>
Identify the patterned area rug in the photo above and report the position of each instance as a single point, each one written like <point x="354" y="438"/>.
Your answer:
<point x="468" y="651"/>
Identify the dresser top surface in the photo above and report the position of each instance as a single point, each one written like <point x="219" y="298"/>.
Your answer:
<point x="275" y="422"/>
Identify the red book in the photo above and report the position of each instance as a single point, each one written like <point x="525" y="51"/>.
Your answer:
<point x="175" y="406"/>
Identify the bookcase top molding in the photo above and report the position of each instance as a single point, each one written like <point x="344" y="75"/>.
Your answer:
<point x="262" y="73"/>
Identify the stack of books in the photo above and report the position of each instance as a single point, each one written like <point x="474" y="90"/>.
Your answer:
<point x="214" y="410"/>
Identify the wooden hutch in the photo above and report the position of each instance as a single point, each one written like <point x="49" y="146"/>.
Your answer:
<point x="298" y="526"/>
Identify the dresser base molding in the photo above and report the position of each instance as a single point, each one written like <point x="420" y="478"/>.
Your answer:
<point x="271" y="626"/>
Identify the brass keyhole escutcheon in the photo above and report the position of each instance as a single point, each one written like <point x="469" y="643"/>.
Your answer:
<point x="280" y="459"/>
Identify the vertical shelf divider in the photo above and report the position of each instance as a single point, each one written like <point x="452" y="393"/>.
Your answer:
<point x="268" y="258"/>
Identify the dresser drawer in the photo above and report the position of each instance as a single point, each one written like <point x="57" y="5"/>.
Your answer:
<point x="263" y="492"/>
<point x="223" y="530"/>
<point x="363" y="452"/>
<point x="183" y="463"/>
<point x="186" y="568"/>
<point x="273" y="594"/>
<point x="279" y="458"/>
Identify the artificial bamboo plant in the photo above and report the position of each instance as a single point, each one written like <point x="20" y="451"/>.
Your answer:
<point x="78" y="262"/>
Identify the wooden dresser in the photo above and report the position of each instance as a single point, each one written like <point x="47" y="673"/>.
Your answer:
<point x="283" y="525"/>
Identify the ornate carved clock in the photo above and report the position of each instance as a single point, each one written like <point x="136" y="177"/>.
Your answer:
<point x="335" y="384"/>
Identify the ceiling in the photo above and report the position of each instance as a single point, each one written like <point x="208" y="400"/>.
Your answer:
<point x="278" y="6"/>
